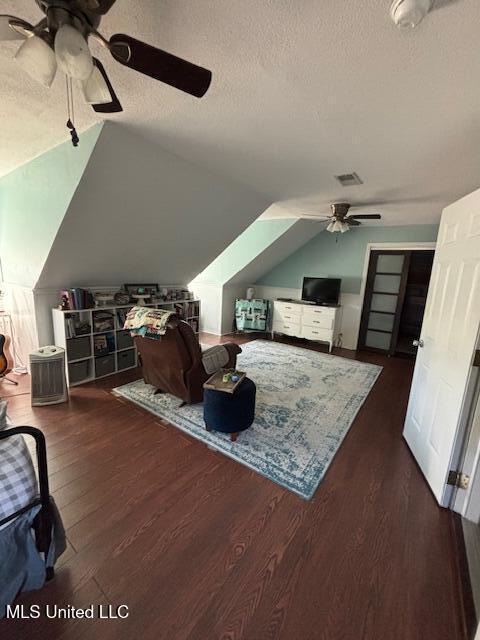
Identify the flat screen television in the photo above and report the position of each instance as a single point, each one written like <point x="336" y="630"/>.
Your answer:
<point x="324" y="291"/>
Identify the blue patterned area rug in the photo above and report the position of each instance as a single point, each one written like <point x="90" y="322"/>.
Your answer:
<point x="306" y="403"/>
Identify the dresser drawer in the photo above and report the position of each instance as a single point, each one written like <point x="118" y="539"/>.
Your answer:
<point x="289" y="328"/>
<point x="318" y="322"/>
<point x="319" y="312"/>
<point x="285" y="316"/>
<point x="317" y="334"/>
<point x="288" y="308"/>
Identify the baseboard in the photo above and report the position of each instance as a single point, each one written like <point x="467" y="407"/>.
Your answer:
<point x="465" y="586"/>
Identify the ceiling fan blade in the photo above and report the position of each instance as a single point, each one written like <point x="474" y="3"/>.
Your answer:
<point x="352" y="222"/>
<point x="113" y="106"/>
<point x="100" y="6"/>
<point x="7" y="33"/>
<point x="160" y="65"/>
<point x="367" y="216"/>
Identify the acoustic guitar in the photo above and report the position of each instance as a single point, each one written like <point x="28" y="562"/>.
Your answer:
<point x="6" y="360"/>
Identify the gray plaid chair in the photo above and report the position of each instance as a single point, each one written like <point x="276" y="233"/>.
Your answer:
<point x="26" y="508"/>
<point x="18" y="482"/>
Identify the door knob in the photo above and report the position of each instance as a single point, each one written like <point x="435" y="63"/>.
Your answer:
<point x="418" y="343"/>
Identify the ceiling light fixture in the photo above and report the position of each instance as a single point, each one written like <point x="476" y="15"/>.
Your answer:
<point x="409" y="13"/>
<point x="337" y="226"/>
<point x="37" y="58"/>
<point x="73" y="55"/>
<point x="95" y="89"/>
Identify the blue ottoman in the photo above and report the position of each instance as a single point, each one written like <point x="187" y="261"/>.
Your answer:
<point x="230" y="412"/>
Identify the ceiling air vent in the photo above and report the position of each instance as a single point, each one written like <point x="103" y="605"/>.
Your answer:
<point x="349" y="179"/>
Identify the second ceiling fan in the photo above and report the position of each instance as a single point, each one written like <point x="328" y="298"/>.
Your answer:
<point x="340" y="220"/>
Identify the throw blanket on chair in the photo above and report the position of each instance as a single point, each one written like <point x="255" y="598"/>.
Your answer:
<point x="148" y="323"/>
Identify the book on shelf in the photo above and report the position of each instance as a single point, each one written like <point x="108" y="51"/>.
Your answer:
<point x="100" y="345"/>
<point x="193" y="309"/>
<point x="78" y="298"/>
<point x="75" y="328"/>
<point x="103" y="344"/>
<point x="121" y="317"/>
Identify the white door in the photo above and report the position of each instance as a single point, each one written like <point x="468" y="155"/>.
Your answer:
<point x="443" y="370"/>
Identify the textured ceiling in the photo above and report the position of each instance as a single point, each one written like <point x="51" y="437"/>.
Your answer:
<point x="302" y="90"/>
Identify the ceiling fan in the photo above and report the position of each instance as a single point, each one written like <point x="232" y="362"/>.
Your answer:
<point x="340" y="221"/>
<point x="60" y="40"/>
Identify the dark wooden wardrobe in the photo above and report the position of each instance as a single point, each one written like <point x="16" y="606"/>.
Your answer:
<point x="394" y="303"/>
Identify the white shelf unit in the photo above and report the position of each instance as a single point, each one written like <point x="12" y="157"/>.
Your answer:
<point x="82" y="364"/>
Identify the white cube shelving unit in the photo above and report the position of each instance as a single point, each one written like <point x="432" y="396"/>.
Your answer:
<point x="82" y="364"/>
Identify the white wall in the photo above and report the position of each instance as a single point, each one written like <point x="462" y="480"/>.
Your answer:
<point x="142" y="214"/>
<point x="211" y="296"/>
<point x="217" y="306"/>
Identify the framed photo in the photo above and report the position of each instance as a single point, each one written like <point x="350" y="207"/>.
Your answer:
<point x="148" y="289"/>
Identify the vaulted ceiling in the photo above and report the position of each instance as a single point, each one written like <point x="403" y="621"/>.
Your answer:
<point x="301" y="91"/>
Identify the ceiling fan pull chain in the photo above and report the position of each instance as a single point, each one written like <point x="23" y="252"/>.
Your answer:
<point x="71" y="113"/>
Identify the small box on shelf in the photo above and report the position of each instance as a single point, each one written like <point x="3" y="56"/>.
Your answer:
<point x="78" y="348"/>
<point x="79" y="372"/>
<point x="104" y="365"/>
<point x="126" y="359"/>
<point x="124" y="339"/>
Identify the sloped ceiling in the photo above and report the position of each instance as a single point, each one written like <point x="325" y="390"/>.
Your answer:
<point x="142" y="214"/>
<point x="243" y="250"/>
<point x="288" y="243"/>
<point x="302" y="91"/>
<point x="262" y="245"/>
<point x="33" y="201"/>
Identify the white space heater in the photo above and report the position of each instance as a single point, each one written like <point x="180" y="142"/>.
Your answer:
<point x="47" y="368"/>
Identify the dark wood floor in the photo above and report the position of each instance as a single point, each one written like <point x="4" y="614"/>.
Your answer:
<point x="200" y="547"/>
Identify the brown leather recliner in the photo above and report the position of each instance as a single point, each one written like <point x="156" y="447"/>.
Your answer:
<point x="174" y="363"/>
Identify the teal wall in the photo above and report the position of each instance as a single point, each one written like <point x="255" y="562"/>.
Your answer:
<point x="341" y="255"/>
<point x="33" y="201"/>
<point x="246" y="247"/>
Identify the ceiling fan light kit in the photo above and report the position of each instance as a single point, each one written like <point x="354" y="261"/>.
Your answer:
<point x="341" y="220"/>
<point x="37" y="59"/>
<point x="337" y="226"/>
<point x="95" y="89"/>
<point x="409" y="13"/>
<point x="72" y="52"/>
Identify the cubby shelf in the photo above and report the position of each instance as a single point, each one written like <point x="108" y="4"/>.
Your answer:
<point x="85" y="366"/>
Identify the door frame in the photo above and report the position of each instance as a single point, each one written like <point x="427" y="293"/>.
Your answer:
<point x="385" y="246"/>
<point x="467" y="503"/>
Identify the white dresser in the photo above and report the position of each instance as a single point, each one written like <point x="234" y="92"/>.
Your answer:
<point x="306" y="321"/>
